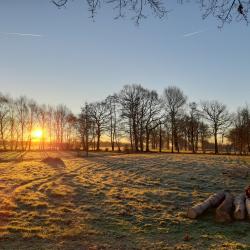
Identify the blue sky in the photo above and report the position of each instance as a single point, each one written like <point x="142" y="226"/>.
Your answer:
<point x="73" y="59"/>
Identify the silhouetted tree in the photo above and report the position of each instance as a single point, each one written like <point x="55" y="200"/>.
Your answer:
<point x="22" y="115"/>
<point x="129" y="98"/>
<point x="224" y="10"/>
<point x="218" y="117"/>
<point x="13" y="128"/>
<point x="99" y="114"/>
<point x="204" y="135"/>
<point x="4" y="110"/>
<point x="174" y="99"/>
<point x="70" y="130"/>
<point x="193" y="126"/>
<point x="239" y="135"/>
<point x="152" y="115"/>
<point x="85" y="123"/>
<point x="33" y="108"/>
<point x="112" y="103"/>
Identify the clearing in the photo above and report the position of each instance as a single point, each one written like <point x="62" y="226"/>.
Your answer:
<point x="117" y="201"/>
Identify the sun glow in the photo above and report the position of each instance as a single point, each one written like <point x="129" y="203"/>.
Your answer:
<point x="37" y="134"/>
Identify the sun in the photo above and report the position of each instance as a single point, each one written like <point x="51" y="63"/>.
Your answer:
<point x="37" y="134"/>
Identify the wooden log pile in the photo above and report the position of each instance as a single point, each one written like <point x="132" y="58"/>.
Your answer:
<point x="228" y="207"/>
<point x="211" y="201"/>
<point x="239" y="207"/>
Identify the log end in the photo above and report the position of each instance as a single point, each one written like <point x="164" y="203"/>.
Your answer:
<point x="191" y="213"/>
<point x="248" y="207"/>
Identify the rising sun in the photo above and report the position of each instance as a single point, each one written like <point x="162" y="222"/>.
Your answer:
<point x="37" y="134"/>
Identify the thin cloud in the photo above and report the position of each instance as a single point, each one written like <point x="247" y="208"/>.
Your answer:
<point x="20" y="34"/>
<point x="193" y="33"/>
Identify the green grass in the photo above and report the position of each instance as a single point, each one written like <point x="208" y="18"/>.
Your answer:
<point x="117" y="201"/>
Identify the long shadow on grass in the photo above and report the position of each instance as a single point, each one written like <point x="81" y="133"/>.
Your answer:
<point x="155" y="192"/>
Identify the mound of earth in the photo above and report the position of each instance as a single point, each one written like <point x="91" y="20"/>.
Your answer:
<point x="54" y="161"/>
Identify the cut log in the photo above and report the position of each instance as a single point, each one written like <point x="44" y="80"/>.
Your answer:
<point x="248" y="207"/>
<point x="212" y="201"/>
<point x="223" y="212"/>
<point x="239" y="207"/>
<point x="247" y="190"/>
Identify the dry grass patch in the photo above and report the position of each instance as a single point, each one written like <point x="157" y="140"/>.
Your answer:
<point x="117" y="201"/>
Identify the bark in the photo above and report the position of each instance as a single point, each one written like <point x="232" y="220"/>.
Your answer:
<point x="172" y="135"/>
<point x="247" y="192"/>
<point x="216" y="151"/>
<point x="160" y="142"/>
<point x="248" y="207"/>
<point x="240" y="210"/>
<point x="147" y="140"/>
<point x="223" y="212"/>
<point x="98" y="138"/>
<point x="212" y="201"/>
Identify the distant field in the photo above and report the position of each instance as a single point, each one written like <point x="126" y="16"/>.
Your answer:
<point x="117" y="201"/>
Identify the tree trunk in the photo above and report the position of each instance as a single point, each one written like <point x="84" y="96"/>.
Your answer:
<point x="215" y="143"/>
<point x="172" y="136"/>
<point x="192" y="140"/>
<point x="223" y="212"/>
<point x="239" y="204"/>
<point x="147" y="140"/>
<point x="212" y="201"/>
<point x="141" y="142"/>
<point x="98" y="139"/>
<point x="2" y="136"/>
<point x="160" y="142"/>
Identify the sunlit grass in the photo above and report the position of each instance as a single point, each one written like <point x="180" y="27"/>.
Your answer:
<point x="117" y="201"/>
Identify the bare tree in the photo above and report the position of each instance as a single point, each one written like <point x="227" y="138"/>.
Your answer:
<point x="60" y="115"/>
<point x="32" y="111"/>
<point x="218" y="117"/>
<point x="13" y="128"/>
<point x="70" y="129"/>
<point x="112" y="103"/>
<point x="4" y="110"/>
<point x="239" y="135"/>
<point x="84" y="127"/>
<point x="22" y="115"/>
<point x="153" y="115"/>
<point x="98" y="112"/>
<point x="224" y="10"/>
<point x="204" y="135"/>
<point x="193" y="125"/>
<point x="50" y="120"/>
<point x="174" y="100"/>
<point x="42" y="117"/>
<point x="129" y="98"/>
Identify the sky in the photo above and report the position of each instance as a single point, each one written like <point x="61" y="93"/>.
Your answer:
<point x="61" y="56"/>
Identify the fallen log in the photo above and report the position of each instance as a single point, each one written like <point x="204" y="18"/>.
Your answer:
<point x="247" y="190"/>
<point x="212" y="201"/>
<point x="240" y="209"/>
<point x="223" y="211"/>
<point x="248" y="207"/>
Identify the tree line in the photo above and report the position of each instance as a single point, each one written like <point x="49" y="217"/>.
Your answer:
<point x="134" y="119"/>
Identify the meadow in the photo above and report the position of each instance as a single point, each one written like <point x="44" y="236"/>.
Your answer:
<point x="117" y="201"/>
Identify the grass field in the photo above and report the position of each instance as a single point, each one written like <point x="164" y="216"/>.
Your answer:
<point x="117" y="201"/>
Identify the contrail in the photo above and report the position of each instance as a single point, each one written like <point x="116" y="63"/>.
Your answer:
<point x="21" y="34"/>
<point x="193" y="33"/>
